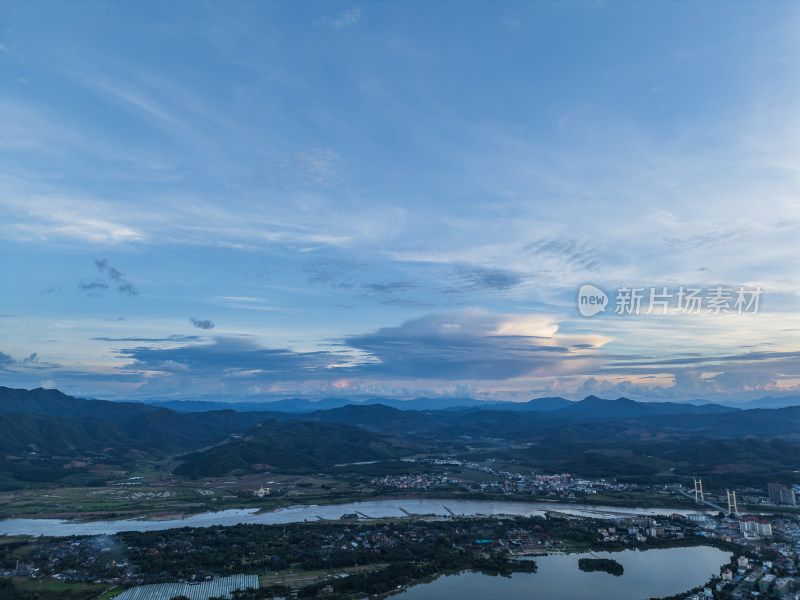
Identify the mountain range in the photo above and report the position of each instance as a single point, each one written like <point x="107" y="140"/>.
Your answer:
<point x="46" y="429"/>
<point x="302" y="405"/>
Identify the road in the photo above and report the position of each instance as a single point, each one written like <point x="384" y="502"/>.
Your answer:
<point x="706" y="502"/>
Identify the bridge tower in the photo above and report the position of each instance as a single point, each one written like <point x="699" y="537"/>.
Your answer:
<point x="732" y="508"/>
<point x="698" y="491"/>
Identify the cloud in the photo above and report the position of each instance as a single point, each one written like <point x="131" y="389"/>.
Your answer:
<point x="747" y="357"/>
<point x="387" y="293"/>
<point x="475" y="345"/>
<point x="464" y="346"/>
<point x="339" y="273"/>
<point x="228" y="355"/>
<point x="244" y="303"/>
<point x="108" y="276"/>
<point x="697" y="376"/>
<point x="346" y="19"/>
<point x="40" y="212"/>
<point x="488" y="279"/>
<point x="346" y="275"/>
<point x="511" y="22"/>
<point x="6" y="360"/>
<point x="92" y="287"/>
<point x="300" y="169"/>
<point x="708" y="239"/>
<point x="604" y="388"/>
<point x="172" y="338"/>
<point x="75" y="227"/>
<point x="202" y="324"/>
<point x="569" y="252"/>
<point x="141" y="101"/>
<point x="128" y="289"/>
<point x="695" y="383"/>
<point x="29" y="362"/>
<point x="170" y="366"/>
<point x="393" y="286"/>
<point x="465" y="390"/>
<point x="124" y="286"/>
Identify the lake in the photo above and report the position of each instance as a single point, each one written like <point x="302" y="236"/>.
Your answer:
<point x="296" y="514"/>
<point x="649" y="574"/>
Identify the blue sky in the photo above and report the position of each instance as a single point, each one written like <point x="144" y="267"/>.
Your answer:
<point x="247" y="200"/>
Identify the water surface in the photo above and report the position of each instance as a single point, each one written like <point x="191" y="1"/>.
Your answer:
<point x="311" y="512"/>
<point x="649" y="574"/>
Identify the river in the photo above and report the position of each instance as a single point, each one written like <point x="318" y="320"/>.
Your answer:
<point x="295" y="514"/>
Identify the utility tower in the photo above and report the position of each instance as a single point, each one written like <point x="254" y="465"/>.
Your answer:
<point x="698" y="491"/>
<point x="732" y="508"/>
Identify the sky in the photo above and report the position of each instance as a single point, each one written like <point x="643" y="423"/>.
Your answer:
<point x="261" y="200"/>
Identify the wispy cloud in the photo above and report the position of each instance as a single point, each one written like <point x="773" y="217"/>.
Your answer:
<point x="488" y="279"/>
<point x="510" y="22"/>
<point x="36" y="212"/>
<point x="244" y="303"/>
<point x="62" y="225"/>
<point x="342" y="273"/>
<point x="314" y="166"/>
<point x="134" y="99"/>
<point x="171" y="338"/>
<point x="342" y="21"/>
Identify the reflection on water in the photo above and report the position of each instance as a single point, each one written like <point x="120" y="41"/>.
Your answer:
<point x="650" y="574"/>
<point x="296" y="514"/>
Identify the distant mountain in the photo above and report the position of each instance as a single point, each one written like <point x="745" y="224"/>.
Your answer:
<point x="289" y="405"/>
<point x="296" y="446"/>
<point x="547" y="404"/>
<point x="435" y="403"/>
<point x="767" y="402"/>
<point x="299" y="405"/>
<point x="593" y="407"/>
<point x="538" y="404"/>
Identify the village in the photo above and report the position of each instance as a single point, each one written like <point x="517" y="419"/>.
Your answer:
<point x="764" y="551"/>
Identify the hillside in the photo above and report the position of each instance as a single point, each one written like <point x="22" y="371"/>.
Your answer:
<point x="297" y="446"/>
<point x="55" y="403"/>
